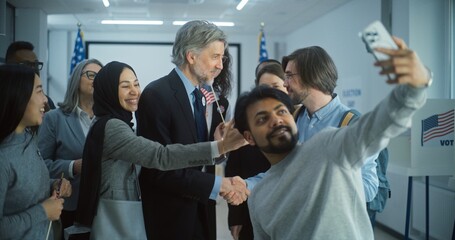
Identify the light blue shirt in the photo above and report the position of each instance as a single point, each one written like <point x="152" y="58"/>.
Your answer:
<point x="85" y="122"/>
<point x="84" y="119"/>
<point x="330" y="116"/>
<point x="189" y="87"/>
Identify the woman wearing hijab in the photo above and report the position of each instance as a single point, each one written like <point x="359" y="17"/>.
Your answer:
<point x="112" y="149"/>
<point x="26" y="203"/>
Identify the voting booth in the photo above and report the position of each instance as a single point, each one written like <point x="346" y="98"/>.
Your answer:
<point x="427" y="150"/>
<point x="432" y="138"/>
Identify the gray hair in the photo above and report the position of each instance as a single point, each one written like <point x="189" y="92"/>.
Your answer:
<point x="195" y="36"/>
<point x="71" y="100"/>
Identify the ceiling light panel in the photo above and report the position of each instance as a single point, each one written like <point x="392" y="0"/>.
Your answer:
<point x="132" y="22"/>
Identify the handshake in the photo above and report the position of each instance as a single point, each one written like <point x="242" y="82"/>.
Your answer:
<point x="233" y="190"/>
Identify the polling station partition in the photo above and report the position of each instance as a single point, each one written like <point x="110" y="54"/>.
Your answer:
<point x="432" y="138"/>
<point x="432" y="150"/>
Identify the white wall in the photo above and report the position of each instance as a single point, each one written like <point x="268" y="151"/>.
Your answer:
<point x="58" y="73"/>
<point x="31" y="26"/>
<point x="428" y="22"/>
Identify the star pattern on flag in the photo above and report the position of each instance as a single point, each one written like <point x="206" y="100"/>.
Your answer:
<point x="263" y="55"/>
<point x="79" y="51"/>
<point x="437" y="125"/>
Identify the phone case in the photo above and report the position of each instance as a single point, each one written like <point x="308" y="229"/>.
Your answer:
<point x="375" y="35"/>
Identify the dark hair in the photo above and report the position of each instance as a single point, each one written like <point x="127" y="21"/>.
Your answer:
<point x="264" y="63"/>
<point x="105" y="92"/>
<point x="272" y="68"/>
<point x="16" y="46"/>
<point x="255" y="95"/>
<point x="16" y="88"/>
<point x="315" y="68"/>
<point x="222" y="83"/>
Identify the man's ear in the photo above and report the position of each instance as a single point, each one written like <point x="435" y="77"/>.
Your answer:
<point x="249" y="138"/>
<point x="190" y="57"/>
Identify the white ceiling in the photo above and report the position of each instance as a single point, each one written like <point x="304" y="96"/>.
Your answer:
<point x="279" y="16"/>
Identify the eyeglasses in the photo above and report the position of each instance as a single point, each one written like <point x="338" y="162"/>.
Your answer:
<point x="223" y="58"/>
<point x="35" y="65"/>
<point x="288" y="76"/>
<point x="89" y="74"/>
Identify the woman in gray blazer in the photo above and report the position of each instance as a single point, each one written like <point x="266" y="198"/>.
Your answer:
<point x="112" y="149"/>
<point x="62" y="134"/>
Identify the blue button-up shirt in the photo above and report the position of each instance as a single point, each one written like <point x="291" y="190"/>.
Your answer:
<point x="330" y="116"/>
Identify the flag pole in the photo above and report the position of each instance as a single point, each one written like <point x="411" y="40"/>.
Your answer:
<point x="78" y="52"/>
<point x="217" y="104"/>
<point x="220" y="159"/>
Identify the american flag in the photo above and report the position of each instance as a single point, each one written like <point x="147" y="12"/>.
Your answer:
<point x="79" y="52"/>
<point x="209" y="96"/>
<point x="437" y="126"/>
<point x="262" y="49"/>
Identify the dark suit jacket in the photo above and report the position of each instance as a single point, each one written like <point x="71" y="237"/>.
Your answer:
<point x="174" y="202"/>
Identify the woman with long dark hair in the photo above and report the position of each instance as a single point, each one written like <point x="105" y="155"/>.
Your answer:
<point x="26" y="203"/>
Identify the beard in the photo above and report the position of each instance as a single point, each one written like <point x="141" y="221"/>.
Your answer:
<point x="298" y="97"/>
<point x="204" y="77"/>
<point x="285" y="144"/>
<point x="295" y="99"/>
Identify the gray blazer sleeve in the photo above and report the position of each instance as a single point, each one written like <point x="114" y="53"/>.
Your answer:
<point x="47" y="144"/>
<point x="120" y="142"/>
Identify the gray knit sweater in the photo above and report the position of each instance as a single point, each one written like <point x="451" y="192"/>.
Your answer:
<point x="24" y="185"/>
<point x="316" y="192"/>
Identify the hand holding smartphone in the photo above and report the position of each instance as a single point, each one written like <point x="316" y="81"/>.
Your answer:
<point x="375" y="35"/>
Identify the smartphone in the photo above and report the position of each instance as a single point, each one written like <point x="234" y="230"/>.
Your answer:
<point x="375" y="35"/>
